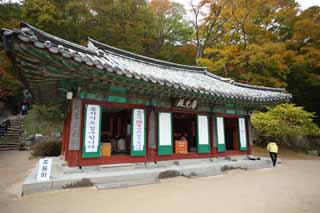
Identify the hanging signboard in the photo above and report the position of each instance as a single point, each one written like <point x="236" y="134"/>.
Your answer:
<point x="203" y="134"/>
<point x="185" y="103"/>
<point x="220" y="134"/>
<point x="138" y="136"/>
<point x="165" y="133"/>
<point x="44" y="169"/>
<point x="242" y="134"/>
<point x="92" y="130"/>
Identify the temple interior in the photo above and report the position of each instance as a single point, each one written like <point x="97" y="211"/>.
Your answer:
<point x="116" y="129"/>
<point x="184" y="128"/>
<point x="231" y="133"/>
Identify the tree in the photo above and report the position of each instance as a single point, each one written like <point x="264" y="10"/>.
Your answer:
<point x="208" y="29"/>
<point x="123" y="24"/>
<point x="9" y="84"/>
<point x="68" y="19"/>
<point x="285" y="120"/>
<point x="170" y="29"/>
<point x="263" y="42"/>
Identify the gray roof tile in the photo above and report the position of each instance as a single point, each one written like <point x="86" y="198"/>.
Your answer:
<point x="187" y="78"/>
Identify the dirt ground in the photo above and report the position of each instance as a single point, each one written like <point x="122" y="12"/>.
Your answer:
<point x="292" y="187"/>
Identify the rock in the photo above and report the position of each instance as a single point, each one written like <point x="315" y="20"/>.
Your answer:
<point x="55" y="135"/>
<point x="313" y="152"/>
<point x="40" y="138"/>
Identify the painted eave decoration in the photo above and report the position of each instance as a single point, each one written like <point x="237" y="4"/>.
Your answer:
<point x="50" y="66"/>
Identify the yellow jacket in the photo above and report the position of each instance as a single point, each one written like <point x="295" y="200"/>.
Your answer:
<point x="272" y="147"/>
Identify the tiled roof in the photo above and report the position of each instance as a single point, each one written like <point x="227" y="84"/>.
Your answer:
<point x="189" y="78"/>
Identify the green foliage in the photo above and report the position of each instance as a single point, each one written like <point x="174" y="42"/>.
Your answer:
<point x="154" y="29"/>
<point x="8" y="80"/>
<point x="157" y="29"/>
<point x="43" y="120"/>
<point x="10" y="15"/>
<point x="285" y="120"/>
<point x="50" y="148"/>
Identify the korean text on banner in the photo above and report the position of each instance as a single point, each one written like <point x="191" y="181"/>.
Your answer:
<point x="92" y="131"/>
<point x="138" y="129"/>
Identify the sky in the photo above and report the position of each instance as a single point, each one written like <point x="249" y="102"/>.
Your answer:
<point x="304" y="3"/>
<point x="308" y="3"/>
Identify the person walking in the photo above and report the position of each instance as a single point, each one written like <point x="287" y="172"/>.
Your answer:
<point x="24" y="108"/>
<point x="273" y="150"/>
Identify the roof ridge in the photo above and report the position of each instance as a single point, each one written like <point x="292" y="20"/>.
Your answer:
<point x="56" y="39"/>
<point x="90" y="55"/>
<point x="231" y="81"/>
<point x="143" y="58"/>
<point x="134" y="56"/>
<point x="274" y="89"/>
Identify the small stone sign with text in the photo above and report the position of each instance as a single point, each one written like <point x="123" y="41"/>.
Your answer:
<point x="44" y="169"/>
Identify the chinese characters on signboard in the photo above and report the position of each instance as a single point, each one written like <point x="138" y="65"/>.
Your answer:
<point x="92" y="134"/>
<point x="138" y="129"/>
<point x="242" y="132"/>
<point x="165" y="129"/>
<point x="44" y="169"/>
<point x="203" y="130"/>
<point x="220" y="128"/>
<point x="186" y="103"/>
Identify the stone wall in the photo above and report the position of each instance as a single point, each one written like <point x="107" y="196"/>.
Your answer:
<point x="75" y="129"/>
<point x="303" y="142"/>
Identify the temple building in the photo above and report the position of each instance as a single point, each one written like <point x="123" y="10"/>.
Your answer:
<point x="125" y="108"/>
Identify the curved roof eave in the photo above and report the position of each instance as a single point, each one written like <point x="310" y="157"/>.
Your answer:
<point x="107" y="57"/>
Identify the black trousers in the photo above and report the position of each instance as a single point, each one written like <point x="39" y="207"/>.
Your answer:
<point x="273" y="157"/>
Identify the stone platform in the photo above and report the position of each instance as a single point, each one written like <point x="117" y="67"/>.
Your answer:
<point x="124" y="175"/>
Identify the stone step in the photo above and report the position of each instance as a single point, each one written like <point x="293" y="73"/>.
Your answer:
<point x="76" y="177"/>
<point x="14" y="129"/>
<point x="10" y="138"/>
<point x="16" y="121"/>
<point x="5" y="144"/>
<point x="6" y="138"/>
<point x="13" y="133"/>
<point x="9" y="141"/>
<point x="116" y="167"/>
<point x="127" y="183"/>
<point x="26" y="143"/>
<point x="9" y="148"/>
<point x="10" y="145"/>
<point x="5" y="147"/>
<point x="10" y="135"/>
<point x="15" y="124"/>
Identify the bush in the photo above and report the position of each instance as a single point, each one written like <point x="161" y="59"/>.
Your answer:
<point x="285" y="120"/>
<point x="50" y="148"/>
<point x="43" y="120"/>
